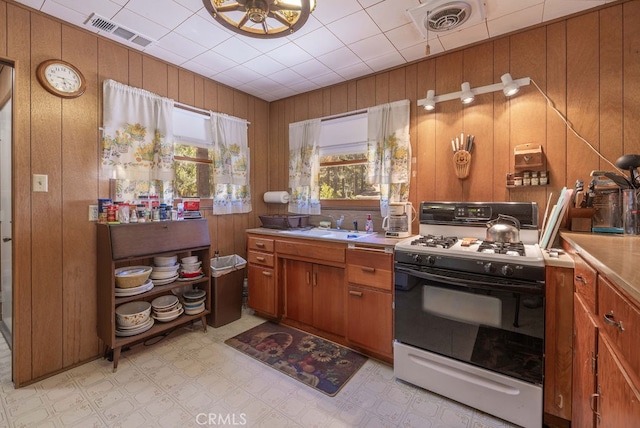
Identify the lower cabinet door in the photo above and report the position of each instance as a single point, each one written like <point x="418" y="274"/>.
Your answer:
<point x="370" y="319"/>
<point x="328" y="299"/>
<point x="299" y="291"/>
<point x="262" y="290"/>
<point x="584" y="365"/>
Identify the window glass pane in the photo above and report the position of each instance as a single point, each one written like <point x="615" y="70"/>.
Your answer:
<point x="346" y="182"/>
<point x="193" y="178"/>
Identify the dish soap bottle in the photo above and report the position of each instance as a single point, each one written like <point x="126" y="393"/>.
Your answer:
<point x="368" y="226"/>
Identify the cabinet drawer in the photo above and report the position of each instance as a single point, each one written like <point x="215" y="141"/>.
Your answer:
<point x="325" y="252"/>
<point x="372" y="268"/>
<point x="264" y="259"/>
<point x="584" y="281"/>
<point x="260" y="244"/>
<point x="620" y="320"/>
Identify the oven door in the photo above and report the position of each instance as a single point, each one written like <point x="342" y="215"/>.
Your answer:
<point x="476" y="319"/>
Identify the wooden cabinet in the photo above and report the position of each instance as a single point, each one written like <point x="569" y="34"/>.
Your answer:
<point x="584" y="364"/>
<point x="136" y="244"/>
<point x="261" y="276"/>
<point x="370" y="300"/>
<point x="315" y="295"/>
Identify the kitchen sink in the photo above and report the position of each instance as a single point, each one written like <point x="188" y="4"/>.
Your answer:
<point x="318" y="232"/>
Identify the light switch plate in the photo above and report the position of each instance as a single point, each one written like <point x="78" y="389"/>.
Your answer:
<point x="40" y="183"/>
<point x="93" y="213"/>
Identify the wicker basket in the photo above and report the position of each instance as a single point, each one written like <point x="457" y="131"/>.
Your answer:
<point x="132" y="276"/>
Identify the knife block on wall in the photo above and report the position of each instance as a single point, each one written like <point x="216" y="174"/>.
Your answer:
<point x="462" y="163"/>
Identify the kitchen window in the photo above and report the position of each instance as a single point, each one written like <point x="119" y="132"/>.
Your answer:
<point x="193" y="171"/>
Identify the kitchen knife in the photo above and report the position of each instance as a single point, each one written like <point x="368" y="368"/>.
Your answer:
<point x="457" y="144"/>
<point x="453" y="146"/>
<point x="471" y="141"/>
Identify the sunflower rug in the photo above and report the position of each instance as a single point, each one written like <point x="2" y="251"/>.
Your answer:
<point x="316" y="362"/>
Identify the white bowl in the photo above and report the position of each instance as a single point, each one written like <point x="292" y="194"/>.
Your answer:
<point x="190" y="259"/>
<point x="194" y="310"/>
<point x="173" y="268"/>
<point x="163" y="275"/>
<point x="168" y="314"/>
<point x="191" y="267"/>
<point x="133" y="313"/>
<point x="164" y="302"/>
<point x="165" y="260"/>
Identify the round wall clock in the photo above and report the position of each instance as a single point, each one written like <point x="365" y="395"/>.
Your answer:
<point x="61" y="78"/>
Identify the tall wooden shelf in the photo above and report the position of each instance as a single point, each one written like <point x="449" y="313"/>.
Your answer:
<point x="136" y="244"/>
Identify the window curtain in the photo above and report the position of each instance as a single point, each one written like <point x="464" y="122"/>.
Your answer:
<point x="137" y="142"/>
<point x="304" y="167"/>
<point x="389" y="152"/>
<point x="230" y="163"/>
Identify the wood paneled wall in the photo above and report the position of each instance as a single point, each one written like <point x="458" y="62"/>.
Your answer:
<point x="588" y="65"/>
<point x="54" y="244"/>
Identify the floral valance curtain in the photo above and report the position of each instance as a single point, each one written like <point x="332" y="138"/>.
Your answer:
<point x="304" y="167"/>
<point x="230" y="162"/>
<point x="137" y="141"/>
<point x="389" y="152"/>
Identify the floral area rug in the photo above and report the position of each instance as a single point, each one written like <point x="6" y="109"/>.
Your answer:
<point x="313" y="361"/>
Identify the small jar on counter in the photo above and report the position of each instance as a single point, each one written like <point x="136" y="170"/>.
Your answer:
<point x="534" y="179"/>
<point x="526" y="179"/>
<point x="544" y="180"/>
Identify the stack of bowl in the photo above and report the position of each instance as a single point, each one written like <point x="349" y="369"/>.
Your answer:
<point x="190" y="268"/>
<point x="132" y="280"/>
<point x="194" y="301"/>
<point x="133" y="318"/>
<point x="166" y="308"/>
<point x="165" y="270"/>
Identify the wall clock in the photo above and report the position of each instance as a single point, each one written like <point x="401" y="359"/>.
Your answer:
<point x="61" y="78"/>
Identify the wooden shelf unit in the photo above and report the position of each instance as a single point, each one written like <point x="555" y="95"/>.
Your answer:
<point x="136" y="244"/>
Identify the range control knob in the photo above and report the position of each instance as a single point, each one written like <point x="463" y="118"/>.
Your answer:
<point x="507" y="270"/>
<point x="431" y="260"/>
<point x="417" y="258"/>
<point x="489" y="268"/>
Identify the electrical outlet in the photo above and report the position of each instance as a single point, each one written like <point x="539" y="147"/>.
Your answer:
<point x="93" y="213"/>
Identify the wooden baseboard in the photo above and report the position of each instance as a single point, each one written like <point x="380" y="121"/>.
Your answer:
<point x="551" y="421"/>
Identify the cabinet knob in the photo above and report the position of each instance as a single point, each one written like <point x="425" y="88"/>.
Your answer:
<point x="368" y="269"/>
<point x="355" y="293"/>
<point x="260" y="259"/>
<point x="610" y="319"/>
<point x="265" y="273"/>
<point x="579" y="278"/>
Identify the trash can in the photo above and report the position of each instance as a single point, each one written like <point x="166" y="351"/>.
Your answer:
<point x="226" y="299"/>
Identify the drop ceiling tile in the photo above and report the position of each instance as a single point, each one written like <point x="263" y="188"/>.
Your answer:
<point x="192" y="5"/>
<point x="215" y="61"/>
<point x="236" y="49"/>
<point x="556" y="8"/>
<point x="367" y="3"/>
<point x="104" y="8"/>
<point x="310" y="26"/>
<point x="354" y="27"/>
<point x="385" y="61"/>
<point x="138" y="24"/>
<point x="201" y="31"/>
<point x="319" y="42"/>
<point x="304" y="86"/>
<point x="372" y="47"/>
<point x="311" y="68"/>
<point x="198" y="68"/>
<point x="455" y="39"/>
<point x="181" y="45"/>
<point x="162" y="53"/>
<point x="339" y="58"/>
<point x="391" y="13"/>
<point x="264" y="65"/>
<point x="327" y="79"/>
<point x="267" y="45"/>
<point x="417" y="52"/>
<point x="35" y="4"/>
<point x="290" y="54"/>
<point x="242" y="74"/>
<point x="285" y="76"/>
<point x="165" y="12"/>
<point x="405" y="36"/>
<point x="354" y="71"/>
<point x="497" y="8"/>
<point x="62" y="12"/>
<point x="328" y="11"/>
<point x="508" y="23"/>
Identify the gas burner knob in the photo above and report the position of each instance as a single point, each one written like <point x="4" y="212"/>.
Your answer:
<point x="489" y="268"/>
<point x="417" y="258"/>
<point x="431" y="260"/>
<point x="507" y="270"/>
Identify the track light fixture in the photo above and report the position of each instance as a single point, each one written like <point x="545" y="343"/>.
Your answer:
<point x="467" y="94"/>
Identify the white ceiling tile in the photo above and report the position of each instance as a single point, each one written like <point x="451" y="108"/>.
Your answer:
<point x="405" y="36"/>
<point x="236" y="49"/>
<point x="354" y="71"/>
<point x="138" y="24"/>
<point x="367" y="3"/>
<point x="372" y="47"/>
<point x="180" y="45"/>
<point x="264" y="65"/>
<point x="508" y="23"/>
<point x="227" y="79"/>
<point x="328" y="11"/>
<point x="310" y="26"/>
<point x="198" y="68"/>
<point x="327" y="79"/>
<point x="304" y="86"/>
<point x="201" y="31"/>
<point x="62" y="12"/>
<point x="192" y="5"/>
<point x="290" y="54"/>
<point x="162" y="53"/>
<point x="34" y="4"/>
<point x="391" y="13"/>
<point x="416" y="52"/>
<point x="104" y="8"/>
<point x="165" y="12"/>
<point x="385" y="61"/>
<point x="311" y="68"/>
<point x="497" y="8"/>
<point x="455" y="39"/>
<point x="319" y="42"/>
<point x="267" y="45"/>
<point x="243" y="74"/>
<point x="215" y="61"/>
<point x="285" y="76"/>
<point x="354" y="27"/>
<point x="554" y="8"/>
<point x="339" y="58"/>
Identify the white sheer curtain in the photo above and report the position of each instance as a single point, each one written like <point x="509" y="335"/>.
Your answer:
<point x="230" y="161"/>
<point x="137" y="141"/>
<point x="304" y="167"/>
<point x="389" y="152"/>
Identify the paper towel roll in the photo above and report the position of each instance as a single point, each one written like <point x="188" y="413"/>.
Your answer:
<point x="276" y="197"/>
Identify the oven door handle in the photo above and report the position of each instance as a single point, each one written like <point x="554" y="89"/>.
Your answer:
<point x="465" y="282"/>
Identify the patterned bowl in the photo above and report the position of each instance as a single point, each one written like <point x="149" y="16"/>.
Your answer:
<point x="133" y="313"/>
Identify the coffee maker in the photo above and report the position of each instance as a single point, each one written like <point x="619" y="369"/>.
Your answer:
<point x="397" y="224"/>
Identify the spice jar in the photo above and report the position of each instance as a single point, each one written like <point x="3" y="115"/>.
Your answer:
<point x="544" y="180"/>
<point x="534" y="179"/>
<point x="526" y="179"/>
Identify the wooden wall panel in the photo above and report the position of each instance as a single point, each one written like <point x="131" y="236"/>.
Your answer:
<point x="339" y="99"/>
<point x="3" y="24"/>
<point x="382" y="88"/>
<point x="46" y="219"/>
<point x="154" y="76"/>
<point x="502" y="152"/>
<point x="398" y="84"/>
<point x="135" y="70"/>
<point x="631" y="83"/>
<point x="79" y="189"/>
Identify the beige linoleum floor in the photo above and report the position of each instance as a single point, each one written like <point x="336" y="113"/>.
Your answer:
<point x="192" y="379"/>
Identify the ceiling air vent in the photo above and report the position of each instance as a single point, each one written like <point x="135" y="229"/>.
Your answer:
<point x="103" y="24"/>
<point x="446" y="15"/>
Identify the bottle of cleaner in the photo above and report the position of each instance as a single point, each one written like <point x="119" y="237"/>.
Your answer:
<point x="368" y="227"/>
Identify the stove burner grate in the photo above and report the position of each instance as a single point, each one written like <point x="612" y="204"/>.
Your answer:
<point x="435" y="241"/>
<point x="508" y="248"/>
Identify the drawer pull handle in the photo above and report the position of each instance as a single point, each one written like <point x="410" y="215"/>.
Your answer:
<point x="355" y="293"/>
<point x="308" y="277"/>
<point x="265" y="273"/>
<point x="579" y="278"/>
<point x="260" y="244"/>
<point x="260" y="259"/>
<point x="609" y="319"/>
<point x="594" y="400"/>
<point x="368" y="269"/>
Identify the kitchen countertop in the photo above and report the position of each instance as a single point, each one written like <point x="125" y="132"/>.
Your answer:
<point x="375" y="239"/>
<point x="616" y="256"/>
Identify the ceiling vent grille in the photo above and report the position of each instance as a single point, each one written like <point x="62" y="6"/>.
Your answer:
<point x="103" y="24"/>
<point x="446" y="15"/>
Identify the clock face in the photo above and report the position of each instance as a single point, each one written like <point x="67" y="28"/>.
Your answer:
<point x="61" y="78"/>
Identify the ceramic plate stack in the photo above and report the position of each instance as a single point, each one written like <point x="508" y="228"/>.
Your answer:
<point x="194" y="301"/>
<point x="165" y="270"/>
<point x="127" y="292"/>
<point x="166" y="308"/>
<point x="133" y="318"/>
<point x="190" y="268"/>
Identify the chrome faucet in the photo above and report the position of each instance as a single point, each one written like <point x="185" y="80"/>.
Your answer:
<point x="339" y="222"/>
